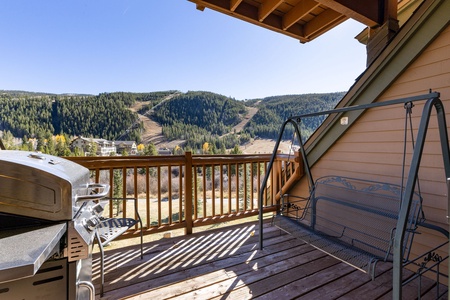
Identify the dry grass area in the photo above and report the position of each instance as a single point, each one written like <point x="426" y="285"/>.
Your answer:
<point x="264" y="146"/>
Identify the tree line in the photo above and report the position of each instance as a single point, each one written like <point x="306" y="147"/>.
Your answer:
<point x="199" y="118"/>
<point x="266" y="123"/>
<point x="203" y="111"/>
<point x="106" y="115"/>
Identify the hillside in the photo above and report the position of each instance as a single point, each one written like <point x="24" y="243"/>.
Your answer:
<point x="202" y="110"/>
<point x="152" y="130"/>
<point x="166" y="119"/>
<point x="273" y="111"/>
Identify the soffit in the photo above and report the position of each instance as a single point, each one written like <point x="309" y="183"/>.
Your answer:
<point x="301" y="19"/>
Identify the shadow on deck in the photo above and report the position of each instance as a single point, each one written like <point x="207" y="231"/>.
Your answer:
<point x="226" y="263"/>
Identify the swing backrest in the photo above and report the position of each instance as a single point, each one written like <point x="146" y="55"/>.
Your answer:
<point x="361" y="213"/>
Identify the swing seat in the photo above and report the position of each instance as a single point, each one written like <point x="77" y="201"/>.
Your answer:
<point x="351" y="219"/>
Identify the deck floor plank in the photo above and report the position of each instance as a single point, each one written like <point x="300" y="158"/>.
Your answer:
<point x="154" y="278"/>
<point x="267" y="287"/>
<point x="221" y="269"/>
<point x="227" y="264"/>
<point x="302" y="286"/>
<point x="240" y="281"/>
<point x="342" y="285"/>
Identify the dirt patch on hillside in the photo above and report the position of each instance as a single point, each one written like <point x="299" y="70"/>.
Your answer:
<point x="251" y="112"/>
<point x="262" y="146"/>
<point x="152" y="130"/>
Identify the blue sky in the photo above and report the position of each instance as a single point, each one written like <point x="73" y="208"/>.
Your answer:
<point x="96" y="46"/>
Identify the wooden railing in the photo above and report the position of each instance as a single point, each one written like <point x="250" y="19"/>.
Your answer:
<point x="186" y="191"/>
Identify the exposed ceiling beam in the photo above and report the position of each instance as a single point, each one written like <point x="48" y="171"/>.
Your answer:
<point x="249" y="13"/>
<point x="234" y="4"/>
<point x="391" y="10"/>
<point x="200" y="7"/>
<point x="367" y="11"/>
<point x="267" y="7"/>
<point x="297" y="12"/>
<point x="323" y="22"/>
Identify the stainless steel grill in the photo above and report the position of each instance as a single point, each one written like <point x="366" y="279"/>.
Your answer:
<point x="48" y="215"/>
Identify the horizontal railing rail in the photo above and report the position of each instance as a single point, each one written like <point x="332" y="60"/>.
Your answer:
<point x="187" y="191"/>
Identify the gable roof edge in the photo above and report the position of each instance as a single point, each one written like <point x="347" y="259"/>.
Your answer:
<point x="422" y="28"/>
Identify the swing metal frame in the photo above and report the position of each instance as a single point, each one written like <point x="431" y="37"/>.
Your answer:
<point x="431" y="101"/>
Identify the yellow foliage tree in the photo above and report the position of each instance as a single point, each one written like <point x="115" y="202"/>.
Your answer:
<point x="205" y="148"/>
<point x="60" y="139"/>
<point x="141" y="147"/>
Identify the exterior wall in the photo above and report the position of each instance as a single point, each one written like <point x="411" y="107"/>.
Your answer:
<point x="129" y="147"/>
<point x="106" y="150"/>
<point x="372" y="148"/>
<point x="104" y="147"/>
<point x="79" y="143"/>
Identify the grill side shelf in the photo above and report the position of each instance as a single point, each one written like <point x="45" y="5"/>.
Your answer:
<point x="22" y="252"/>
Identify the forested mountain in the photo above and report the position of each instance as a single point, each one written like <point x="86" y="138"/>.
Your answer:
<point x="273" y="111"/>
<point x="198" y="118"/>
<point x="203" y="110"/>
<point x="106" y="115"/>
<point x="26" y="116"/>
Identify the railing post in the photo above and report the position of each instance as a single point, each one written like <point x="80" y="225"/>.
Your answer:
<point x="188" y="192"/>
<point x="299" y="164"/>
<point x="277" y="180"/>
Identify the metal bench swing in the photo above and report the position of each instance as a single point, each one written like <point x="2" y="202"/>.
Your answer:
<point x="361" y="222"/>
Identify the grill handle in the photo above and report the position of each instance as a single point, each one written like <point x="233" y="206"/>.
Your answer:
<point x="104" y="191"/>
<point x="89" y="286"/>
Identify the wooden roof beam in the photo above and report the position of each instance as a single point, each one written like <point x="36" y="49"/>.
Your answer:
<point x="323" y="22"/>
<point x="390" y="10"/>
<point x="267" y="7"/>
<point x="200" y="7"/>
<point x="249" y="13"/>
<point x="234" y="4"/>
<point x="302" y="9"/>
<point x="367" y="12"/>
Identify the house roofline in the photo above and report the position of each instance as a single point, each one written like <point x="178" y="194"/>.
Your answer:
<point x="417" y="33"/>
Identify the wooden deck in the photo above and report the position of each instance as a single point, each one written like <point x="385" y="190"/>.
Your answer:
<point x="227" y="264"/>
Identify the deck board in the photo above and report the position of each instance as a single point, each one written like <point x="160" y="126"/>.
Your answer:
<point x="227" y="264"/>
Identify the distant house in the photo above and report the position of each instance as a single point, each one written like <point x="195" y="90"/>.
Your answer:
<point x="104" y="147"/>
<point x="126" y="146"/>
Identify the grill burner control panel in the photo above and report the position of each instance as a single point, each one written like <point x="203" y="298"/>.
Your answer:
<point x="91" y="223"/>
<point x="96" y="210"/>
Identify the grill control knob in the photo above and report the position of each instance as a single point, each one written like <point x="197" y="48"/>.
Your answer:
<point x="97" y="209"/>
<point x="91" y="223"/>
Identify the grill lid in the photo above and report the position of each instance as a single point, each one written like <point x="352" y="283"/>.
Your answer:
<point x="40" y="186"/>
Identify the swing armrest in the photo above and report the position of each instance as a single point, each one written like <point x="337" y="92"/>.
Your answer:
<point x="434" y="227"/>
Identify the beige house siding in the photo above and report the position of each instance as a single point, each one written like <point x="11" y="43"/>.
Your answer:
<point x="372" y="148"/>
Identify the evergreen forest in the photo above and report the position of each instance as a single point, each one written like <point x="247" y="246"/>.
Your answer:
<point x="196" y="118"/>
<point x="275" y="110"/>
